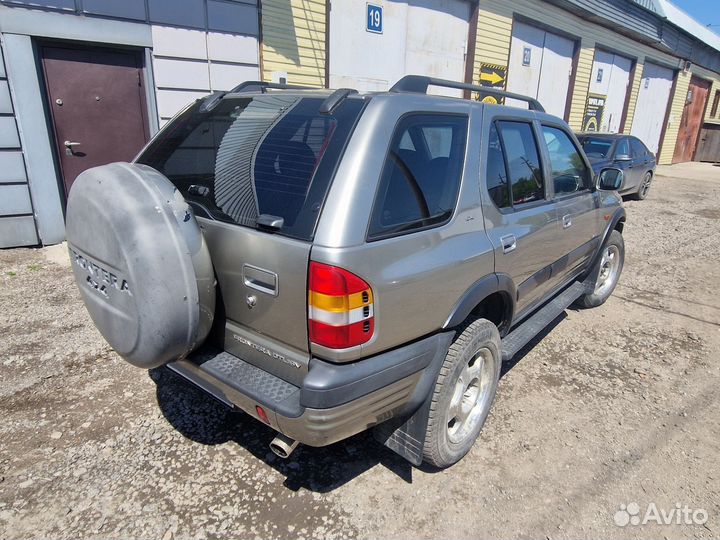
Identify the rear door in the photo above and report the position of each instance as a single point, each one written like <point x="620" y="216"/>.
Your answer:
<point x="520" y="218"/>
<point x="256" y="170"/>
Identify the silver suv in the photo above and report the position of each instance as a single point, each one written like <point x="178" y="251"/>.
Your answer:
<point x="330" y="262"/>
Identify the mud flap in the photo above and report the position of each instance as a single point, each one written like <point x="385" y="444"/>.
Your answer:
<point x="405" y="434"/>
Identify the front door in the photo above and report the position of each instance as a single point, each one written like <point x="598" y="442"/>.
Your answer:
<point x="575" y="202"/>
<point x="97" y="101"/>
<point x="692" y="118"/>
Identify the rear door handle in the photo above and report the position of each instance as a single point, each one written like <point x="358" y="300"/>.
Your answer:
<point x="509" y="243"/>
<point x="567" y="221"/>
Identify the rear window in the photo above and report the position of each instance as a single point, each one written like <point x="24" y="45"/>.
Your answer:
<point x="270" y="154"/>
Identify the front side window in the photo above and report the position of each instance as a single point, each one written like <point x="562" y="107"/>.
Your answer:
<point x="523" y="162"/>
<point x="420" y="180"/>
<point x="623" y="148"/>
<point x="596" y="147"/>
<point x="569" y="172"/>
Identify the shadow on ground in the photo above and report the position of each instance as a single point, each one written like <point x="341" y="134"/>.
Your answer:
<point x="200" y="418"/>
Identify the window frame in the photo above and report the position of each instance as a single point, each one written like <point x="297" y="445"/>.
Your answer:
<point x="369" y="237"/>
<point x="547" y="195"/>
<point x="581" y="153"/>
<point x="646" y="150"/>
<point x="715" y="105"/>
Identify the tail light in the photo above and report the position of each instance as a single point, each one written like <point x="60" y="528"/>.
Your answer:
<point x="340" y="307"/>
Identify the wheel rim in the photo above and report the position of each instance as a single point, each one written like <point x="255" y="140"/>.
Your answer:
<point x="646" y="184"/>
<point x="471" y="396"/>
<point x="609" y="269"/>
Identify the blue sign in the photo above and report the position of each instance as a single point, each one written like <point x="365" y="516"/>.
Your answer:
<point x="374" y="19"/>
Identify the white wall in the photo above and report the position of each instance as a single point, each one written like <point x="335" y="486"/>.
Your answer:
<point x="424" y="37"/>
<point x="189" y="64"/>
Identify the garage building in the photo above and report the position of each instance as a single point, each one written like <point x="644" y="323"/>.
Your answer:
<point x="85" y="82"/>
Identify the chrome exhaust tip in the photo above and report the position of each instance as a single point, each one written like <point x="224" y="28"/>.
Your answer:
<point x="283" y="446"/>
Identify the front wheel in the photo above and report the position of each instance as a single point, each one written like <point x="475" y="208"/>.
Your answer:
<point x="611" y="264"/>
<point x="463" y="394"/>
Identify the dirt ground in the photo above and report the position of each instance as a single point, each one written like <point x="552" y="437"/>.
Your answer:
<point x="613" y="406"/>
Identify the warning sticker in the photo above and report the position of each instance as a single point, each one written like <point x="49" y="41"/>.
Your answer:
<point x="594" y="110"/>
<point x="492" y="75"/>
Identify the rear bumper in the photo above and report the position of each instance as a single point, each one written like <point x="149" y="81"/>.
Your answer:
<point x="335" y="401"/>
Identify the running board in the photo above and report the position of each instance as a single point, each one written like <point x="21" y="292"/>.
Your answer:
<point x="522" y="334"/>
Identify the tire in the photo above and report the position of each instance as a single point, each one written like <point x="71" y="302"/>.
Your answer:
<point x="140" y="262"/>
<point x="475" y="352"/>
<point x="608" y="269"/>
<point x="644" y="187"/>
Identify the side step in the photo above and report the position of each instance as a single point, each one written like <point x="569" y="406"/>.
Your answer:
<point x="522" y="334"/>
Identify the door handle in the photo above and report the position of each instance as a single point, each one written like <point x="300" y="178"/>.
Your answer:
<point x="509" y="243"/>
<point x="70" y="144"/>
<point x="567" y="221"/>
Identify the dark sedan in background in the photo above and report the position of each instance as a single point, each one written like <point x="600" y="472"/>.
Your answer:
<point x="623" y="152"/>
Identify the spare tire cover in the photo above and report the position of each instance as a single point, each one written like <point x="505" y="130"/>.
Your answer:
<point x="141" y="263"/>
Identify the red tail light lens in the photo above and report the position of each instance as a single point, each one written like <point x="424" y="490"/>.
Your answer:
<point x="340" y="307"/>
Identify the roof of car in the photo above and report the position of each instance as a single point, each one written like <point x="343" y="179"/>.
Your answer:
<point x="598" y="135"/>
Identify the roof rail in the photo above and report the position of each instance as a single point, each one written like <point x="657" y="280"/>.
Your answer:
<point x="334" y="99"/>
<point x="255" y="86"/>
<point x="419" y="84"/>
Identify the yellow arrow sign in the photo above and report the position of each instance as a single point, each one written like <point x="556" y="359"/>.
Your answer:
<point x="492" y="78"/>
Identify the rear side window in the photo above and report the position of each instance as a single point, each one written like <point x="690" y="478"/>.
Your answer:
<point x="497" y="182"/>
<point x="570" y="174"/>
<point x="638" y="148"/>
<point x="270" y="154"/>
<point x="523" y="162"/>
<point x="421" y="177"/>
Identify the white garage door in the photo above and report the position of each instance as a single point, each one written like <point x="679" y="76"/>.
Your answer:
<point x="652" y="105"/>
<point x="423" y="37"/>
<point x="610" y="78"/>
<point x="540" y="66"/>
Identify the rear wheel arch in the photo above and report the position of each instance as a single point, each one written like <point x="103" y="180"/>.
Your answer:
<point x="492" y="298"/>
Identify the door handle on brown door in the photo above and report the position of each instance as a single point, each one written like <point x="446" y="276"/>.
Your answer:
<point x="567" y="221"/>
<point x="509" y="243"/>
<point x="69" y="144"/>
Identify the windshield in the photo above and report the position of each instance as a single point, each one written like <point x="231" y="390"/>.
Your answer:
<point x="271" y="154"/>
<point x="596" y="147"/>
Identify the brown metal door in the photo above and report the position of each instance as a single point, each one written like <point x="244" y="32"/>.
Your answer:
<point x="692" y="119"/>
<point x="98" y="106"/>
<point x="709" y="145"/>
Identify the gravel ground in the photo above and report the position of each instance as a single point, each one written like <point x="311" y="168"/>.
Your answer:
<point x="613" y="406"/>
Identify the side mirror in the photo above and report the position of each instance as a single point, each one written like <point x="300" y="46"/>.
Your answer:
<point x="623" y="157"/>
<point x="610" y="179"/>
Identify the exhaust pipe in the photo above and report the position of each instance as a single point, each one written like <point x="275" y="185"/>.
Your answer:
<point x="283" y="446"/>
